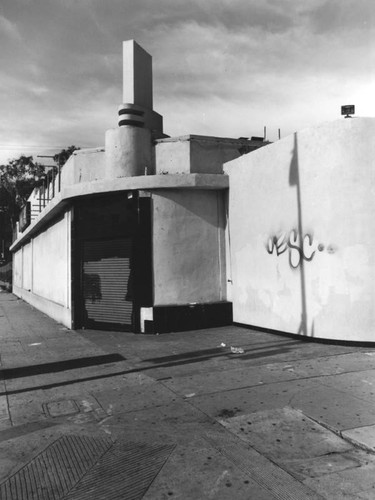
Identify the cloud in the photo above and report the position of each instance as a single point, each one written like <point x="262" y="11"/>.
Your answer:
<point x="221" y="68"/>
<point x="247" y="63"/>
<point x="286" y="79"/>
<point x="39" y="90"/>
<point x="8" y="29"/>
<point x="338" y="16"/>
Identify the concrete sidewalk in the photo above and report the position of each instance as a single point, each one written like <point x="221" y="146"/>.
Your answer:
<point x="88" y="414"/>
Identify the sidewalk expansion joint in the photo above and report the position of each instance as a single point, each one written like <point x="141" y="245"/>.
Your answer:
<point x="342" y="435"/>
<point x="275" y="382"/>
<point x="260" y="469"/>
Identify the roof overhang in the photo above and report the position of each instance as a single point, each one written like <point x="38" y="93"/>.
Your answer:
<point x="63" y="200"/>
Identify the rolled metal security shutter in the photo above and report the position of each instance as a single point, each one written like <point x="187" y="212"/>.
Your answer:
<point x="107" y="293"/>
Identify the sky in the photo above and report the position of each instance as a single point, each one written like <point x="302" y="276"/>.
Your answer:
<point x="226" y="68"/>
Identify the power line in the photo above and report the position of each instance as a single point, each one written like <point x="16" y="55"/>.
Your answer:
<point x="29" y="149"/>
<point x="33" y="147"/>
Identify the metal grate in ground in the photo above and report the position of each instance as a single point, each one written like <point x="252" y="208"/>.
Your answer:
<point x="81" y="467"/>
<point x="54" y="472"/>
<point x="125" y="473"/>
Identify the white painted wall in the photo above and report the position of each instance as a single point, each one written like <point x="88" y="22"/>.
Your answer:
<point x="128" y="152"/>
<point x="197" y="154"/>
<point x="51" y="262"/>
<point x="137" y="74"/>
<point x="188" y="247"/>
<point x="83" y="166"/>
<point x="172" y="157"/>
<point x="27" y="267"/>
<point x="17" y="268"/>
<point x="42" y="271"/>
<point x="332" y="295"/>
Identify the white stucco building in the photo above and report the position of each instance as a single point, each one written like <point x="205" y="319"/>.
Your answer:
<point x="155" y="234"/>
<point x="134" y="236"/>
<point x="300" y="215"/>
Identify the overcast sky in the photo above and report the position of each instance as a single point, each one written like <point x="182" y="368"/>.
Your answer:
<point x="221" y="67"/>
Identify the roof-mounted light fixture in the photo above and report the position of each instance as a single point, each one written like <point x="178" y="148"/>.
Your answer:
<point x="348" y="110"/>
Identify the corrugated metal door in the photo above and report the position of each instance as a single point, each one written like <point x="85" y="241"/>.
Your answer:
<point x="106" y="283"/>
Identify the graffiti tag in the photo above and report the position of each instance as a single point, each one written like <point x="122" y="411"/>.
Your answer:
<point x="300" y="249"/>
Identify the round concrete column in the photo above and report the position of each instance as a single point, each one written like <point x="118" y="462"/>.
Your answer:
<point x="128" y="152"/>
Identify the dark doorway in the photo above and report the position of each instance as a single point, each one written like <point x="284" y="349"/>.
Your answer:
<point x="106" y="283"/>
<point x="111" y="261"/>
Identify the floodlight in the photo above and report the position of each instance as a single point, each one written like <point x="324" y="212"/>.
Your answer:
<point x="348" y="110"/>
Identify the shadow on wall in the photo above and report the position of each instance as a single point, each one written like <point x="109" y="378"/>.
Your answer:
<point x="202" y="204"/>
<point x="294" y="180"/>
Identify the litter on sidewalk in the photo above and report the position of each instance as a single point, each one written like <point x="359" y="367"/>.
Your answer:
<point x="233" y="350"/>
<point x="237" y="350"/>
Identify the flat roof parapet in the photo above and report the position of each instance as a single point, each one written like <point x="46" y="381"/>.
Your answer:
<point x="87" y="151"/>
<point x="213" y="139"/>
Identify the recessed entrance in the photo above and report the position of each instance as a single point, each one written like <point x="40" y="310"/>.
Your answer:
<point x="106" y="283"/>
<point x="111" y="262"/>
